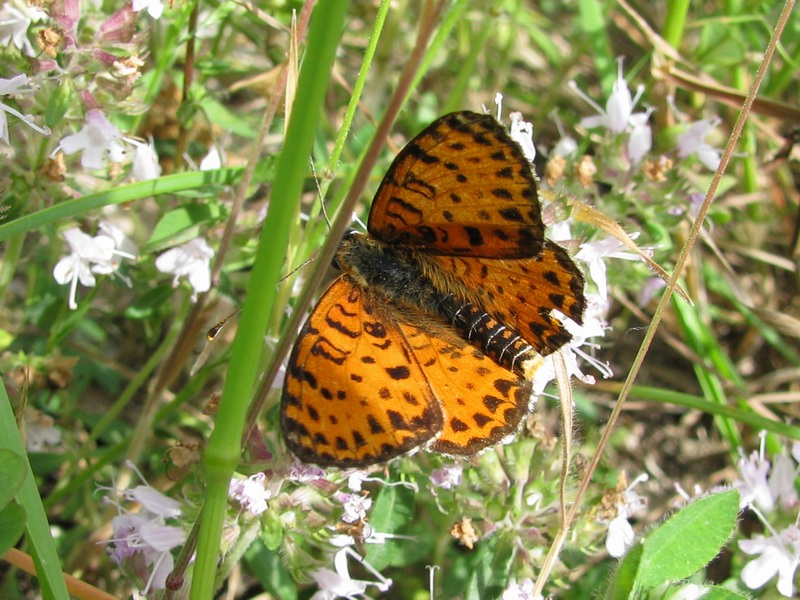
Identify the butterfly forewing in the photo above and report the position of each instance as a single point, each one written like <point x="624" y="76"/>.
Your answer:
<point x="354" y="395"/>
<point x="461" y="187"/>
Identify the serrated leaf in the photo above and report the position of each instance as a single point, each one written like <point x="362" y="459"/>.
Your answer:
<point x="720" y="593"/>
<point x="704" y="591"/>
<point x="12" y="473"/>
<point x="688" y="540"/>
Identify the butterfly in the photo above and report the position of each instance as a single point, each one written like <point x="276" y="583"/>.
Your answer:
<point x="442" y="313"/>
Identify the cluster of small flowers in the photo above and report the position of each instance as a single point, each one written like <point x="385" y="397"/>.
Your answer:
<point x="102" y="255"/>
<point x="347" y="538"/>
<point x="768" y="490"/>
<point x="618" y="118"/>
<point x="144" y="541"/>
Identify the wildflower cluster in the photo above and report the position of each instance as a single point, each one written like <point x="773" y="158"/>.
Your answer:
<point x="768" y="490"/>
<point x="142" y="542"/>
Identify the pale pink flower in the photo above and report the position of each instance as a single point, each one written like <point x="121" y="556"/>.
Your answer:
<point x="753" y="486"/>
<point x="521" y="591"/>
<point x="355" y="506"/>
<point x="447" y="477"/>
<point x="250" y="493"/>
<point x="146" y="534"/>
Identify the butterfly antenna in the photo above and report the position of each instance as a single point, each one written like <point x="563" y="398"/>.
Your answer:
<point x="319" y="194"/>
<point x="297" y="268"/>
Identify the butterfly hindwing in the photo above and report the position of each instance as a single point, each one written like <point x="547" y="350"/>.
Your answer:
<point x="461" y="187"/>
<point x="354" y="395"/>
<point x="522" y="293"/>
<point x="481" y="401"/>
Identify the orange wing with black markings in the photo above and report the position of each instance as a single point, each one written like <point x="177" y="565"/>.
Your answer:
<point x="461" y="187"/>
<point x="354" y="395"/>
<point x="522" y="293"/>
<point x="444" y="311"/>
<point x="482" y="402"/>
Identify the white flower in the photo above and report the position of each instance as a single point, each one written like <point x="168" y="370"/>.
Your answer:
<point x="40" y="431"/>
<point x="620" y="535"/>
<point x="522" y="133"/>
<point x="593" y="326"/>
<point x="192" y="259"/>
<point x="88" y="255"/>
<point x="339" y="584"/>
<point x="99" y="140"/>
<point x="640" y="139"/>
<point x="145" y="160"/>
<point x="692" y="141"/>
<point x="10" y="86"/>
<point x="15" y="19"/>
<point x="250" y="493"/>
<point x="521" y="591"/>
<point x="565" y="146"/>
<point x="154" y="7"/>
<point x="778" y="555"/>
<point x="212" y="160"/>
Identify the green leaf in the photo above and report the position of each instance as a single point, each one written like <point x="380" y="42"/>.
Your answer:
<point x="12" y="474"/>
<point x="60" y="100"/>
<point x="623" y="581"/>
<point x="12" y="524"/>
<point x="391" y="513"/>
<point x="182" y="224"/>
<point x="688" y="541"/>
<point x="149" y="303"/>
<point x="709" y="592"/>
<point x="268" y="568"/>
<point x="489" y="576"/>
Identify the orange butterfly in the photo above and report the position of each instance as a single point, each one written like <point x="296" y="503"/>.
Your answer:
<point x="442" y="314"/>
